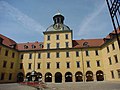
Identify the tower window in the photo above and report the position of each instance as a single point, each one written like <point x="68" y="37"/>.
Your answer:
<point x="48" y="37"/>
<point x="2" y="76"/>
<point x="48" y="55"/>
<point x="48" y="45"/>
<point x="67" y="44"/>
<point x="57" y="37"/>
<point x="66" y="36"/>
<point x="10" y="76"/>
<point x="57" y="45"/>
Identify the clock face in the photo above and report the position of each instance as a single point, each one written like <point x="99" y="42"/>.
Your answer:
<point x="57" y="26"/>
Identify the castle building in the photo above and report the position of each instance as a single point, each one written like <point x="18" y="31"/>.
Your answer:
<point x="59" y="58"/>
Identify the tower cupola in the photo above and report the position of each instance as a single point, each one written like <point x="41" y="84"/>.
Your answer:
<point x="58" y="18"/>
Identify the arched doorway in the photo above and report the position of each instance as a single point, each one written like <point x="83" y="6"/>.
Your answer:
<point x="89" y="76"/>
<point x="68" y="77"/>
<point x="48" y="77"/>
<point x="20" y="77"/>
<point x="58" y="77"/>
<point x="28" y="76"/>
<point x="39" y="77"/>
<point x="99" y="75"/>
<point x="79" y="77"/>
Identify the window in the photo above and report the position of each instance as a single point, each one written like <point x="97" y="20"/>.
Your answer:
<point x="33" y="46"/>
<point x="98" y="63"/>
<point x="116" y="59"/>
<point x="67" y="44"/>
<point x="108" y="50"/>
<point x="66" y="36"/>
<point x="6" y="53"/>
<point x="41" y="46"/>
<point x="48" y="37"/>
<point x="30" y="56"/>
<point x="39" y="55"/>
<point x="13" y="55"/>
<point x="48" y="45"/>
<point x="21" y="56"/>
<point x="4" y="64"/>
<point x="38" y="66"/>
<point x="10" y="76"/>
<point x="112" y="74"/>
<point x="48" y="55"/>
<point x="88" y="63"/>
<point x="12" y="63"/>
<point x="87" y="53"/>
<point x="68" y="64"/>
<point x="57" y="65"/>
<point x="25" y="46"/>
<point x="21" y="65"/>
<point x="2" y="76"/>
<point x="57" y="54"/>
<point x="78" y="64"/>
<point x="96" y="52"/>
<point x="110" y="61"/>
<point x="57" y="45"/>
<point x="67" y="54"/>
<point x="77" y="54"/>
<point x="29" y="65"/>
<point x="118" y="71"/>
<point x="113" y="46"/>
<point x="57" y="37"/>
<point x="48" y="65"/>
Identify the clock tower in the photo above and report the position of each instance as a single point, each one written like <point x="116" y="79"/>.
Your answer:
<point x="58" y="35"/>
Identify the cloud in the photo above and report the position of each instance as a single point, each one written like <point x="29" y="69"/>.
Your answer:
<point x="89" y="22"/>
<point x="22" y="18"/>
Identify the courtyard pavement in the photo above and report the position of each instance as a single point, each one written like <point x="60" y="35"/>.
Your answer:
<point x="66" y="86"/>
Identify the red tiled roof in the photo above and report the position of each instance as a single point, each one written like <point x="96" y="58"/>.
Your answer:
<point x="7" y="41"/>
<point x="87" y="43"/>
<point x="30" y="46"/>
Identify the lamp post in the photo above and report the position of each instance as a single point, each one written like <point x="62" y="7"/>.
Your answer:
<point x="114" y="10"/>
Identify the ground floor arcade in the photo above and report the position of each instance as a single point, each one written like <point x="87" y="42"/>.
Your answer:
<point x="60" y="78"/>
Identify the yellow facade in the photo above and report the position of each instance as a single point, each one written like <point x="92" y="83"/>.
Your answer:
<point x="59" y="64"/>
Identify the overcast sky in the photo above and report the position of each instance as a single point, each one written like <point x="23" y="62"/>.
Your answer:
<point x="26" y="20"/>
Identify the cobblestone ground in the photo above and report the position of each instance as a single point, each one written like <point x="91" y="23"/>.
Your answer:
<point x="67" y="86"/>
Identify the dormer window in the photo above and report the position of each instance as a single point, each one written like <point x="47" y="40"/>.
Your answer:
<point x="85" y="44"/>
<point x="41" y="46"/>
<point x="25" y="47"/>
<point x="33" y="46"/>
